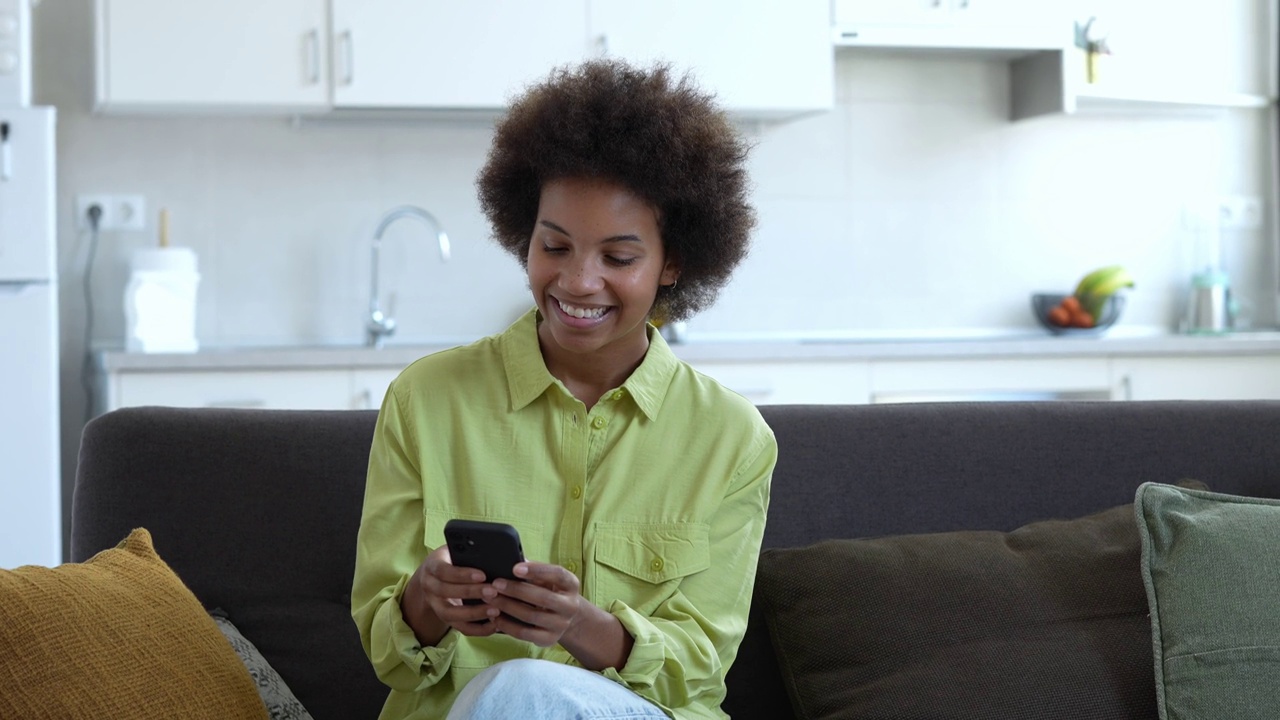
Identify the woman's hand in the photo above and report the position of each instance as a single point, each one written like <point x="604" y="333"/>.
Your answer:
<point x="432" y="600"/>
<point x="547" y="608"/>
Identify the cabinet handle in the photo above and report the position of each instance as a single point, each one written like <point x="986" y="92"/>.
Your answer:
<point x="1126" y="387"/>
<point x="313" y="57"/>
<point x="348" y="58"/>
<point x="244" y="403"/>
<point x="602" y="45"/>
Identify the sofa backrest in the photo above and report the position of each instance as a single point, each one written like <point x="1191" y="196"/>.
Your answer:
<point x="875" y="470"/>
<point x="257" y="510"/>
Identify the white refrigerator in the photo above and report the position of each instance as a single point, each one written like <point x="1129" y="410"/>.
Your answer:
<point x="30" y="479"/>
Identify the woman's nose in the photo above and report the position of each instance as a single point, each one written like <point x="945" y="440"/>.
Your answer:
<point x="582" y="278"/>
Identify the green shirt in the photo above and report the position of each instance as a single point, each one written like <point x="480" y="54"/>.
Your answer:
<point x="655" y="499"/>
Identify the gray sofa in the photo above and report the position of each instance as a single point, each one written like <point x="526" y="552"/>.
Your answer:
<point x="257" y="510"/>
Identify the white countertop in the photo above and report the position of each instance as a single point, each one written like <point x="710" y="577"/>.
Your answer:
<point x="739" y="348"/>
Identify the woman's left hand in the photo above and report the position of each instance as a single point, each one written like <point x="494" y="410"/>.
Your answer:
<point x="539" y="610"/>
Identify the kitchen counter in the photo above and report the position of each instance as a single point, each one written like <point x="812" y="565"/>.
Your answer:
<point x="739" y="348"/>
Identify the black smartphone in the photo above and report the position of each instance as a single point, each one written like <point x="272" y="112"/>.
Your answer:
<point x="493" y="548"/>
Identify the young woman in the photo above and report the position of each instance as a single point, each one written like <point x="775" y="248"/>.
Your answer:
<point x="639" y="487"/>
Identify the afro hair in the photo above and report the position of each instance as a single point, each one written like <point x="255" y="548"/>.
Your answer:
<point x="659" y="136"/>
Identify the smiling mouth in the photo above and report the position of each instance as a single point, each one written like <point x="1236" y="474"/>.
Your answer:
<point x="582" y="313"/>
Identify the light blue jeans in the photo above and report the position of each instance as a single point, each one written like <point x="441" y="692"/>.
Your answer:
<point x="544" y="690"/>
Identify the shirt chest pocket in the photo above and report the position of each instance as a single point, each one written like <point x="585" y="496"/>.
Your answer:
<point x="643" y="564"/>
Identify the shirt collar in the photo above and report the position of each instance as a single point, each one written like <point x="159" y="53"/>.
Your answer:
<point x="528" y="377"/>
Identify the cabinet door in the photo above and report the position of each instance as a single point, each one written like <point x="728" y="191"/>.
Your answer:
<point x="369" y="387"/>
<point x="991" y="379"/>
<point x="278" y="389"/>
<point x="448" y="54"/>
<point x="891" y="12"/>
<point x="760" y="57"/>
<point x="1199" y="378"/>
<point x="231" y="53"/>
<point x="778" y="383"/>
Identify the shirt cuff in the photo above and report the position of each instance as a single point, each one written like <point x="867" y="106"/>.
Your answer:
<point x="647" y="654"/>
<point x="430" y="662"/>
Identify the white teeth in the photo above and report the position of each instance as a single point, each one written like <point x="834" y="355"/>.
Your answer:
<point x="579" y="312"/>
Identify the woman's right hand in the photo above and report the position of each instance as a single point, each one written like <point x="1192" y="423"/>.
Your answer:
<point x="432" y="600"/>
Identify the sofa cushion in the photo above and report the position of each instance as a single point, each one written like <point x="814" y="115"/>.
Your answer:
<point x="281" y="703"/>
<point x="1212" y="577"/>
<point x="117" y="636"/>
<point x="1046" y="621"/>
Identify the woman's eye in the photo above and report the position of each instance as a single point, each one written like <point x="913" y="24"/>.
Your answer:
<point x="552" y="249"/>
<point x="620" y="261"/>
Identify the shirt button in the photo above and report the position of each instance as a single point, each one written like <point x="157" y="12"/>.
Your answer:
<point x="577" y="492"/>
<point x="656" y="565"/>
<point x="599" y="422"/>
<point x="617" y="395"/>
<point x="572" y="567"/>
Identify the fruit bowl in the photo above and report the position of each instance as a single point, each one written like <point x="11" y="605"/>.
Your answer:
<point x="1042" y="303"/>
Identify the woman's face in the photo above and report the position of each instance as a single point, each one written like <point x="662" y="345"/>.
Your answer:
<point x="595" y="263"/>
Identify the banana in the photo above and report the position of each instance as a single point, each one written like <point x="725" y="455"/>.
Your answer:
<point x="1094" y="288"/>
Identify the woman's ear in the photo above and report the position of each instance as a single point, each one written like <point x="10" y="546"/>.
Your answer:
<point x="670" y="274"/>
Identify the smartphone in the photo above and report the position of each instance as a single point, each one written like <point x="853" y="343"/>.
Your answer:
<point x="493" y="548"/>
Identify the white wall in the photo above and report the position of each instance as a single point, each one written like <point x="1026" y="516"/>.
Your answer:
<point x="914" y="206"/>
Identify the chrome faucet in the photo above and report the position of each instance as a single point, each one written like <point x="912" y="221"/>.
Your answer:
<point x="381" y="325"/>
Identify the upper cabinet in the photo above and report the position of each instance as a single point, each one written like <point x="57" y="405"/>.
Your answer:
<point x="166" y="56"/>
<point x="762" y="58"/>
<point x="994" y="26"/>
<point x="1157" y="57"/>
<point x="448" y="54"/>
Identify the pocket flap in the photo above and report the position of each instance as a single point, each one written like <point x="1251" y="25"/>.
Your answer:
<point x="655" y="552"/>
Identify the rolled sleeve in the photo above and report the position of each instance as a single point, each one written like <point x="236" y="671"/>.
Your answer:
<point x="389" y="550"/>
<point x="684" y="649"/>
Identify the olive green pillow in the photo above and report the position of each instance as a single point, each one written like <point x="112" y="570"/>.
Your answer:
<point x="1211" y="566"/>
<point x="118" y="636"/>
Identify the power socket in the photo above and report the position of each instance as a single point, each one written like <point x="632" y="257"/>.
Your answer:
<point x="119" y="212"/>
<point x="1240" y="212"/>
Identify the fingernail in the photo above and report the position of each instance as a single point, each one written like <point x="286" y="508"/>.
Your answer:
<point x="499" y="585"/>
<point x="477" y="577"/>
<point x="492" y="612"/>
<point x="522" y="570"/>
<point x="489" y="593"/>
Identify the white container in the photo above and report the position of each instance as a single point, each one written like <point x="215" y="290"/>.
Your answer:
<point x="160" y="301"/>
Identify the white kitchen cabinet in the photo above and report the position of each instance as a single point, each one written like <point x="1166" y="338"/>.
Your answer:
<point x="780" y="383"/>
<point x="232" y="54"/>
<point x="1000" y="26"/>
<point x="442" y="54"/>
<point x="1167" y="57"/>
<point x="369" y="387"/>
<point x="990" y="379"/>
<point x="1196" y="378"/>
<point x="760" y="57"/>
<point x="322" y="389"/>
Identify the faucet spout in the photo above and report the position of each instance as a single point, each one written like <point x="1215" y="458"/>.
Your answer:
<point x="380" y="324"/>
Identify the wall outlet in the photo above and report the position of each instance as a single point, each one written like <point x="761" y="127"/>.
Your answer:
<point x="119" y="212"/>
<point x="1240" y="212"/>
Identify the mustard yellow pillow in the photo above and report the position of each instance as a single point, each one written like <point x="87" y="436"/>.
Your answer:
<point x="117" y="636"/>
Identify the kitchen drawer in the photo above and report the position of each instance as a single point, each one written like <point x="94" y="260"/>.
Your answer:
<point x="293" y="389"/>
<point x="778" y="383"/>
<point x="1197" y="378"/>
<point x="990" y="379"/>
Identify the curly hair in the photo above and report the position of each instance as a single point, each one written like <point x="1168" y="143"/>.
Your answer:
<point x="662" y="138"/>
